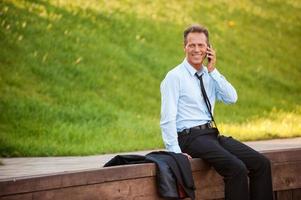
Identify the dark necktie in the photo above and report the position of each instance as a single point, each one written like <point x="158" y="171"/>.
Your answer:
<point x="206" y="99"/>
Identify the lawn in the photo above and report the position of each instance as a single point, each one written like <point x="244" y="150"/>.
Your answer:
<point x="82" y="77"/>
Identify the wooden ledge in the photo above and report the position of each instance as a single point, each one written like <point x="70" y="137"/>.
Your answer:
<point x="117" y="181"/>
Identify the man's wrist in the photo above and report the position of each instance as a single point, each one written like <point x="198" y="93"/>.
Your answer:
<point x="174" y="148"/>
<point x="214" y="73"/>
<point x="211" y="69"/>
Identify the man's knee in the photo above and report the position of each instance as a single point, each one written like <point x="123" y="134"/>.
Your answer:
<point x="235" y="167"/>
<point x="239" y="167"/>
<point x="260" y="165"/>
<point x="262" y="162"/>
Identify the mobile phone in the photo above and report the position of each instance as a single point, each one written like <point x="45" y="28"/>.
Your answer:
<point x="207" y="54"/>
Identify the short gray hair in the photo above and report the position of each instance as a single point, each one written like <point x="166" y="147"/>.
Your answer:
<point x="196" y="29"/>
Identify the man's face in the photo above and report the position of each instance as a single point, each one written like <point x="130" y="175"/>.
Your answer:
<point x="195" y="49"/>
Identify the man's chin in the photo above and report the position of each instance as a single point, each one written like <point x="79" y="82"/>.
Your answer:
<point x="196" y="65"/>
<point x="198" y="62"/>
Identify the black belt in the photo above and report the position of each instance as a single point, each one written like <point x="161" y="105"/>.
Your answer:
<point x="200" y="127"/>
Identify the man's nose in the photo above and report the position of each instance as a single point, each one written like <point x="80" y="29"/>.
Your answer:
<point x="197" y="48"/>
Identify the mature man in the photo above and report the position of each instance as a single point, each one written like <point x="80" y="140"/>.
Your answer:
<point x="189" y="92"/>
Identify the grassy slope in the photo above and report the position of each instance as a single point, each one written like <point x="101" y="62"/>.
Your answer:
<point x="78" y="78"/>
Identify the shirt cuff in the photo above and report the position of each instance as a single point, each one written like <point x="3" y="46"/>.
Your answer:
<point x="174" y="148"/>
<point x="215" y="74"/>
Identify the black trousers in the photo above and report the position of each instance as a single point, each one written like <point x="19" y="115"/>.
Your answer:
<point x="234" y="161"/>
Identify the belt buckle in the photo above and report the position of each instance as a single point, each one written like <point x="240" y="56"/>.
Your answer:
<point x="186" y="131"/>
<point x="210" y="125"/>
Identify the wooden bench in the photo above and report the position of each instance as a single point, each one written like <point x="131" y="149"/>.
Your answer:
<point x="138" y="181"/>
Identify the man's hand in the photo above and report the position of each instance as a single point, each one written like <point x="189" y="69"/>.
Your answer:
<point x="211" y="59"/>
<point x="187" y="155"/>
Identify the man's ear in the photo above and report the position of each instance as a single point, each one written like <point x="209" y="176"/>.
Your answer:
<point x="208" y="44"/>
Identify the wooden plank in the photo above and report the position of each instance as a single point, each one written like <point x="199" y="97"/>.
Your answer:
<point x="283" y="155"/>
<point x="126" y="189"/>
<point x="77" y="178"/>
<point x="28" y="196"/>
<point x="286" y="175"/>
<point x="297" y="194"/>
<point x="284" y="195"/>
<point x="121" y="190"/>
<point x="102" y="175"/>
<point x="207" y="188"/>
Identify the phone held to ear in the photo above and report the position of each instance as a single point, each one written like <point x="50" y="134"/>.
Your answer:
<point x="207" y="54"/>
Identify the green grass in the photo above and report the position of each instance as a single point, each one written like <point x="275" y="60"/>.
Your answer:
<point x="82" y="77"/>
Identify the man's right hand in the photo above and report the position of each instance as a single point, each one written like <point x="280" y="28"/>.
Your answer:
<point x="187" y="155"/>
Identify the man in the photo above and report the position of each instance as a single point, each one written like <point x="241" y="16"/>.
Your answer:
<point x="189" y="92"/>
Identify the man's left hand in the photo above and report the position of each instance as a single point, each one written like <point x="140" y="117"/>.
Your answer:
<point x="187" y="155"/>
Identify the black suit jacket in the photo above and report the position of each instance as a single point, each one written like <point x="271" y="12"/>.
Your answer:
<point x="173" y="169"/>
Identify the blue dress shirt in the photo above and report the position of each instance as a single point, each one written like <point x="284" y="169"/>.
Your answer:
<point x="182" y="103"/>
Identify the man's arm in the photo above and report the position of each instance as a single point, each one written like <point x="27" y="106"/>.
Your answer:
<point x="225" y="91"/>
<point x="169" y="99"/>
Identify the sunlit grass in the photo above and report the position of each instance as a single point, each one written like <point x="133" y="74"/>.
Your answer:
<point x="82" y="77"/>
<point x="277" y="124"/>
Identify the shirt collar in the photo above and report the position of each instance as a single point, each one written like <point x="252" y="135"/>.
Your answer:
<point x="192" y="70"/>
